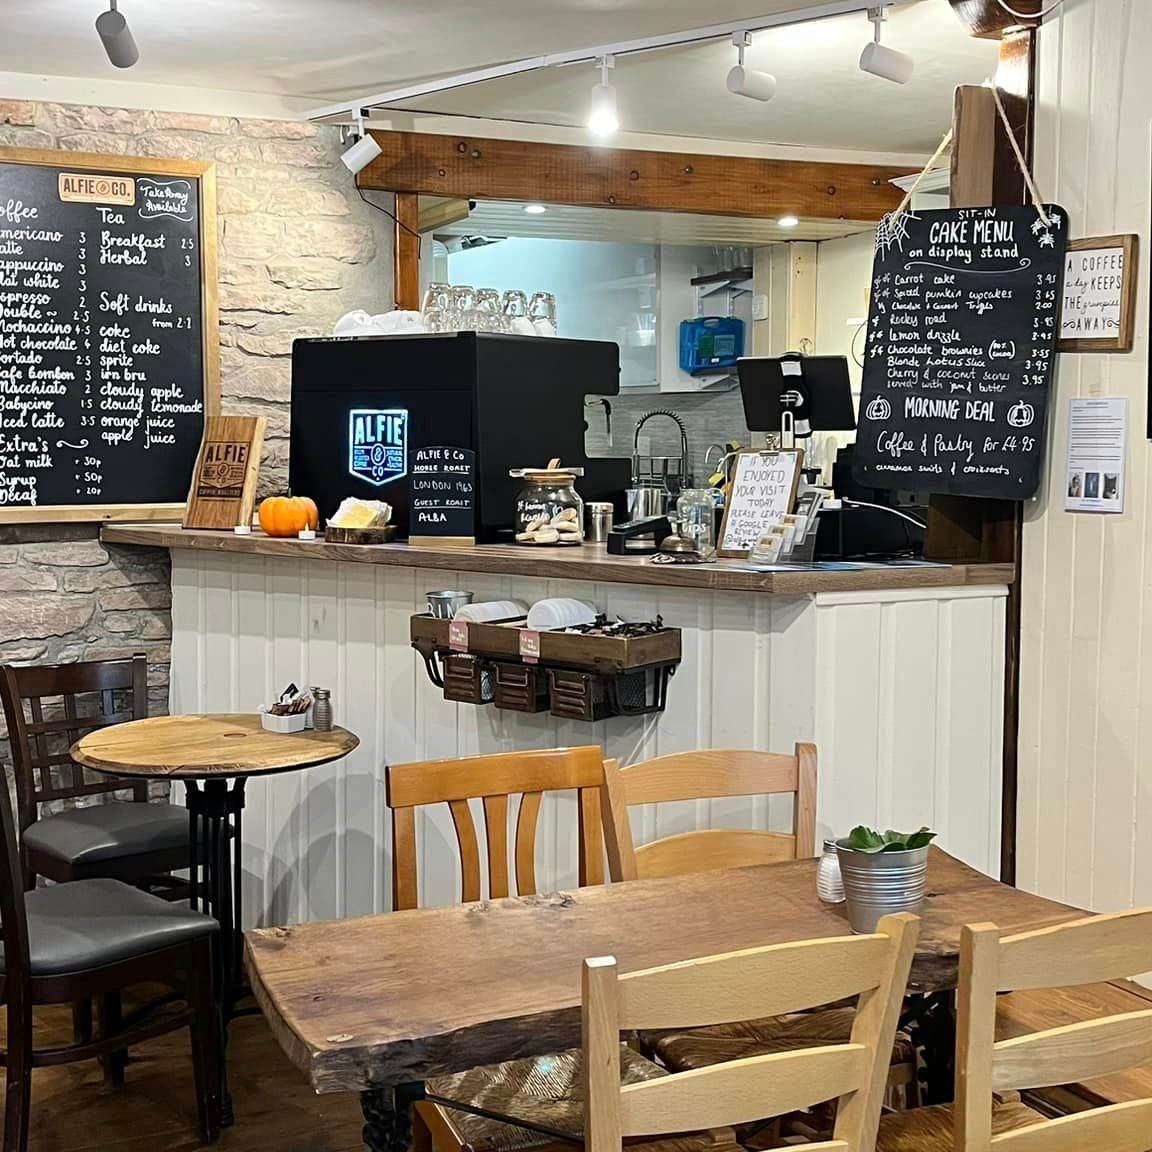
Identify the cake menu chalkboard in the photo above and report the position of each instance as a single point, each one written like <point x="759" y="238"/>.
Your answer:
<point x="107" y="345"/>
<point x="962" y="330"/>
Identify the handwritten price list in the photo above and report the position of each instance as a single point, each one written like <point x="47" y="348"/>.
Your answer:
<point x="101" y="362"/>
<point x="961" y="343"/>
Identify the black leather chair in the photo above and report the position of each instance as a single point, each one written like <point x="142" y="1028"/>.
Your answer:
<point x="48" y="708"/>
<point x="89" y="939"/>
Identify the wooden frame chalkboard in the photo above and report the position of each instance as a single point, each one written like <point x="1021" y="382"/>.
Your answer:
<point x="204" y="176"/>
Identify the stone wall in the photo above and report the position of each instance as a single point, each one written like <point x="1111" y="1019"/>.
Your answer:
<point x="298" y="248"/>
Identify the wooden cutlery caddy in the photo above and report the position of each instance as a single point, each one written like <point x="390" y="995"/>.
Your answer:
<point x="573" y="675"/>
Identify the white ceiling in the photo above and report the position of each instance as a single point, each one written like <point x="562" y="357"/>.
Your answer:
<point x="336" y="49"/>
<point x="823" y="99"/>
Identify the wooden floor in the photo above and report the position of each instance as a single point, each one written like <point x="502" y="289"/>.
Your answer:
<point x="155" y="1111"/>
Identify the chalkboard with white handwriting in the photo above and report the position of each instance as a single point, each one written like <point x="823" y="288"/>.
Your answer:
<point x="107" y="348"/>
<point x="962" y="331"/>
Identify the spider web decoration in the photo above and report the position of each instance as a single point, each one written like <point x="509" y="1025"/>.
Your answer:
<point x="892" y="231"/>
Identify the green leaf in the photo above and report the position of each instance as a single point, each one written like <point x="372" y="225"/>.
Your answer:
<point x="863" y="839"/>
<point x="921" y="839"/>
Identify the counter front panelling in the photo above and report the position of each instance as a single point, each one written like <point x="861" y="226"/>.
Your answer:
<point x="901" y="690"/>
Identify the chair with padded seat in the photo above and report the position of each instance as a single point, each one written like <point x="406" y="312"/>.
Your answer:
<point x="987" y="1112"/>
<point x="713" y="774"/>
<point x="88" y="939"/>
<point x="526" y="1102"/>
<point x="771" y="981"/>
<point x="48" y="708"/>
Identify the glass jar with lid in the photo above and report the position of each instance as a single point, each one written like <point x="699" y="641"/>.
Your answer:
<point x="549" y="511"/>
<point x="696" y="509"/>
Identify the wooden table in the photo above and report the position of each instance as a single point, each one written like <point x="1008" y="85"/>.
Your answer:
<point x="205" y="752"/>
<point x="383" y="1001"/>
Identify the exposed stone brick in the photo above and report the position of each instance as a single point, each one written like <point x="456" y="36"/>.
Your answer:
<point x="82" y="118"/>
<point x="70" y="554"/>
<point x="21" y="112"/>
<point x="137" y="596"/>
<point x="188" y="122"/>
<point x="311" y="273"/>
<point x="276" y="343"/>
<point x="278" y="129"/>
<point x="297" y="154"/>
<point x="344" y="240"/>
<point x="37" y="615"/>
<point x="270" y="380"/>
<point x="14" y="579"/>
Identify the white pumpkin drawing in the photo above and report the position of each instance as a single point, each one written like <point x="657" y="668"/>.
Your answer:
<point x="1021" y="415"/>
<point x="878" y="409"/>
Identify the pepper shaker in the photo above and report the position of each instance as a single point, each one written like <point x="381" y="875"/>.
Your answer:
<point x="322" y="709"/>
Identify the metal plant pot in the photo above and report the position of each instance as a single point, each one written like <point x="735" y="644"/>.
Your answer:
<point x="877" y="884"/>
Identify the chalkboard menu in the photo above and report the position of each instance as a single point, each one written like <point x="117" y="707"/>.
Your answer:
<point x="962" y="334"/>
<point x="108" y="341"/>
<point x="443" y="493"/>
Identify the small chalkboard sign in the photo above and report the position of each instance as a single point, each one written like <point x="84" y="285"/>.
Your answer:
<point x="763" y="490"/>
<point x="962" y="333"/>
<point x="443" y="495"/>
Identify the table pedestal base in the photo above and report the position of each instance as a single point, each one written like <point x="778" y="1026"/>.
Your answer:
<point x="214" y="825"/>
<point x="388" y="1117"/>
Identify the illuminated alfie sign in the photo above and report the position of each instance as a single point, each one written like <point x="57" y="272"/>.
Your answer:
<point x="378" y="444"/>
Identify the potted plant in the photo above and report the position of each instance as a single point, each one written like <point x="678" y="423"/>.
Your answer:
<point x="883" y="873"/>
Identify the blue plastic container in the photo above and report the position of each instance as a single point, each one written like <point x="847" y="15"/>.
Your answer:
<point x="710" y="344"/>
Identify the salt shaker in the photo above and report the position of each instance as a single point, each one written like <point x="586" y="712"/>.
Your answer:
<point x="829" y="883"/>
<point x="322" y="714"/>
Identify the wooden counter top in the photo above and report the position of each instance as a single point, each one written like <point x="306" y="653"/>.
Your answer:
<point x="590" y="562"/>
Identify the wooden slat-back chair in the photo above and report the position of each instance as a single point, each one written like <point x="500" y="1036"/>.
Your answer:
<point x="494" y="780"/>
<point x="709" y="775"/>
<point x="538" y="1092"/>
<point x="48" y="708"/>
<point x="985" y="1115"/>
<point x="727" y="773"/>
<point x="770" y="981"/>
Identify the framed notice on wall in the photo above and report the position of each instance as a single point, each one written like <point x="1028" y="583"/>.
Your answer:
<point x="109" y="347"/>
<point x="1099" y="295"/>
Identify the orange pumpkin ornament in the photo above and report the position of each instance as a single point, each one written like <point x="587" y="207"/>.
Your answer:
<point x="288" y="515"/>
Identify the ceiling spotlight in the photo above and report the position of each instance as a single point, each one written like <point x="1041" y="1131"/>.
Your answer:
<point x="602" y="118"/>
<point x="747" y="81"/>
<point x="535" y="209"/>
<point x="884" y="62"/>
<point x="787" y="221"/>
<point x="118" y="40"/>
<point x="363" y="151"/>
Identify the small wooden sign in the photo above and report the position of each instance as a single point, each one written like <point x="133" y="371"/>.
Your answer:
<point x="763" y="489"/>
<point x="1099" y="296"/>
<point x="223" y="489"/>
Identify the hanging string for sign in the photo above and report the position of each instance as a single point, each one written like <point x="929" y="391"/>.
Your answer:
<point x="1033" y="191"/>
<point x="945" y="144"/>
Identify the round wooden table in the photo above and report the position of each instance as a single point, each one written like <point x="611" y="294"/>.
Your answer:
<point x="205" y="753"/>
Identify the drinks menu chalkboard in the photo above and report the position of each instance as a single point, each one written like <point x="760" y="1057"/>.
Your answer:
<point x="108" y="347"/>
<point x="962" y="332"/>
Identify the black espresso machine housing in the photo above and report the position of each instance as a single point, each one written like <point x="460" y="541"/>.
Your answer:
<point x="516" y="401"/>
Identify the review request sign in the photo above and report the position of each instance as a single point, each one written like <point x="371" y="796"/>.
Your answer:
<point x="378" y="444"/>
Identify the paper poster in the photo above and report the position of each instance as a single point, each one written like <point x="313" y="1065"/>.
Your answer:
<point x="1097" y="451"/>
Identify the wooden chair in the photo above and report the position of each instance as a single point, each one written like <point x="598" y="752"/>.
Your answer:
<point x="708" y="775"/>
<point x="704" y="776"/>
<point x="72" y="942"/>
<point x="135" y="841"/>
<point x="537" y="1092"/>
<point x="769" y="981"/>
<point x="990" y="1072"/>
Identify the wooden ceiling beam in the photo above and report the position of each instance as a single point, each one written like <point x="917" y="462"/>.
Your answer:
<point x="486" y="169"/>
<point x="988" y="19"/>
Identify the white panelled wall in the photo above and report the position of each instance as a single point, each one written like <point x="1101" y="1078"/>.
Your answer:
<point x="1085" y="753"/>
<point x="901" y="691"/>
